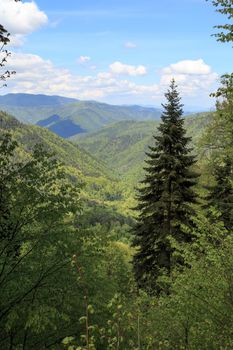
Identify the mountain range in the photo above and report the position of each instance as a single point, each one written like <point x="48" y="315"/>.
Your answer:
<point x="32" y="100"/>
<point x="68" y="117"/>
<point x="105" y="139"/>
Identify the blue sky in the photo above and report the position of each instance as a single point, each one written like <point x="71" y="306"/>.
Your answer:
<point x="122" y="52"/>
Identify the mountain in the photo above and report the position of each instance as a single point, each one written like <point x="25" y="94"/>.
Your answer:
<point x="101" y="186"/>
<point x="31" y="100"/>
<point x="109" y="161"/>
<point x="70" y="117"/>
<point x="63" y="127"/>
<point x="122" y="146"/>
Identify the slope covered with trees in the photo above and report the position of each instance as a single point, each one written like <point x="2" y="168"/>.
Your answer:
<point x="61" y="229"/>
<point x="78" y="288"/>
<point x="122" y="146"/>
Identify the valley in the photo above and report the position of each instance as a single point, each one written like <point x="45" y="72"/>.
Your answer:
<point x="117" y="136"/>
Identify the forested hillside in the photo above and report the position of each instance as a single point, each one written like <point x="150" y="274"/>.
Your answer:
<point x="122" y="146"/>
<point x="101" y="184"/>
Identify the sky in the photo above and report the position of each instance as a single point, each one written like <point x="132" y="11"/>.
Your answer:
<point x="116" y="51"/>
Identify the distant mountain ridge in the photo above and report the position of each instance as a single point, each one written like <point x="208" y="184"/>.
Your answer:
<point x="72" y="116"/>
<point x="69" y="117"/>
<point x="31" y="100"/>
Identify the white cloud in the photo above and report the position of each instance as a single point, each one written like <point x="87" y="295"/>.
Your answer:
<point x="21" y="18"/>
<point x="37" y="75"/>
<point x="192" y="76"/>
<point x="193" y="67"/>
<point x="28" y="62"/>
<point x="16" y="40"/>
<point x="130" y="45"/>
<point x="119" y="68"/>
<point x="84" y="59"/>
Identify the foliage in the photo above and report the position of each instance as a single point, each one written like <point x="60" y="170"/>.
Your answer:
<point x="66" y="278"/>
<point x="225" y="7"/>
<point x="220" y="194"/>
<point x="216" y="142"/>
<point x="119" y="316"/>
<point x="39" y="235"/>
<point x="198" y="312"/>
<point x="37" y="203"/>
<point x="5" y="54"/>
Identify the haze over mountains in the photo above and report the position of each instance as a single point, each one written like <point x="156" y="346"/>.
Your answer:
<point x="68" y="117"/>
<point x="116" y="136"/>
<point x="32" y="100"/>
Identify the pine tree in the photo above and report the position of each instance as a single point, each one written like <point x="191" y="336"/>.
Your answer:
<point x="165" y="198"/>
<point x="221" y="193"/>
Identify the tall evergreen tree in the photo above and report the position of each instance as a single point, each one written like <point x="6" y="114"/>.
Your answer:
<point x="165" y="198"/>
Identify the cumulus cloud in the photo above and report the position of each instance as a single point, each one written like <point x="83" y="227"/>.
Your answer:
<point x="192" y="76"/>
<point x="34" y="74"/>
<point x="192" y="67"/>
<point x="130" y="45"/>
<point x="119" y="68"/>
<point x="16" y="40"/>
<point x="37" y="75"/>
<point x="21" y="18"/>
<point x="84" y="59"/>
